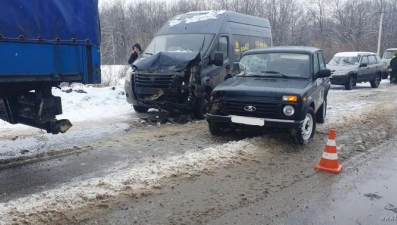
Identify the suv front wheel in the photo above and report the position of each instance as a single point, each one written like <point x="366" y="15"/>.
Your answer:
<point x="305" y="134"/>
<point x="351" y="81"/>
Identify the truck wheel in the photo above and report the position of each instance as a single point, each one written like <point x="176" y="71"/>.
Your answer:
<point x="140" y="109"/>
<point x="350" y="83"/>
<point x="201" y="108"/>
<point x="322" y="112"/>
<point x="305" y="134"/>
<point x="218" y="129"/>
<point x="375" y="83"/>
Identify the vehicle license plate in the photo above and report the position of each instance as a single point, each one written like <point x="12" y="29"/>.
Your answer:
<point x="248" y="120"/>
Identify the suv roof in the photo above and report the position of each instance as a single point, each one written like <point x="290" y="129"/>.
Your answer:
<point x="287" y="49"/>
<point x="354" y="53"/>
<point x="391" y="49"/>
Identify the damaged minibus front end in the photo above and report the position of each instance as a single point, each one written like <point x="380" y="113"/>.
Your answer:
<point x="167" y="81"/>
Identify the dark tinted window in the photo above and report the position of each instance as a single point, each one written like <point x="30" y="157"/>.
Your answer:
<point x="241" y="43"/>
<point x="321" y="61"/>
<point x="258" y="42"/>
<point x="316" y="66"/>
<point x="223" y="46"/>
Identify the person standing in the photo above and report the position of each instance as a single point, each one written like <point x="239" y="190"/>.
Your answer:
<point x="136" y="52"/>
<point x="393" y="65"/>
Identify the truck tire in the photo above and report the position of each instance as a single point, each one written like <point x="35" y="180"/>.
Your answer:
<point x="375" y="83"/>
<point x="305" y="134"/>
<point x="140" y="109"/>
<point x="201" y="107"/>
<point x="350" y="83"/>
<point x="218" y="129"/>
<point x="322" y="112"/>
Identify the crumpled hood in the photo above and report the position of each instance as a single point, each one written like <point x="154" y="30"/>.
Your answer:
<point x="256" y="86"/>
<point x="164" y="62"/>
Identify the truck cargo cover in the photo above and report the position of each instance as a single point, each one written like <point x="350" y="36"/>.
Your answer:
<point x="50" y="19"/>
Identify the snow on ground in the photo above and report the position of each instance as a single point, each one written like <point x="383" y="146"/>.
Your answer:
<point x="139" y="179"/>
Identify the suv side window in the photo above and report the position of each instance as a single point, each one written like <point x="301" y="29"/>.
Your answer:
<point x="364" y="60"/>
<point x="371" y="59"/>
<point x="316" y="66"/>
<point x="378" y="59"/>
<point x="223" y="46"/>
<point x="322" y="62"/>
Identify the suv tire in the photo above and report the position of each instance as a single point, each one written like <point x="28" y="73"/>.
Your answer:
<point x="375" y="83"/>
<point x="322" y="112"/>
<point x="305" y="134"/>
<point x="201" y="107"/>
<point x="350" y="83"/>
<point x="218" y="129"/>
<point x="140" y="109"/>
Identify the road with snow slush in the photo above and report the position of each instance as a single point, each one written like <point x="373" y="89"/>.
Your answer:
<point x="128" y="172"/>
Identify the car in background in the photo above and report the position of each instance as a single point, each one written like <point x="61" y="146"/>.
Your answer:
<point x="349" y="68"/>
<point x="277" y="87"/>
<point x="386" y="58"/>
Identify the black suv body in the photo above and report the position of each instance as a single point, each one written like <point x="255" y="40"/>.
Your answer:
<point x="284" y="87"/>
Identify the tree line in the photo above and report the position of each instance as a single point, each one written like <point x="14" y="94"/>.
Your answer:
<point x="332" y="25"/>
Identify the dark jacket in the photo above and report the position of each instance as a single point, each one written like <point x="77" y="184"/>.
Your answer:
<point x="134" y="55"/>
<point x="393" y="64"/>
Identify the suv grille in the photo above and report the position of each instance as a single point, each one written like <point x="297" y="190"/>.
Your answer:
<point x="263" y="110"/>
<point x="154" y="81"/>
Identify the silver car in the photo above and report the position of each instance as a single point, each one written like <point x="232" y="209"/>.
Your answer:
<point x="349" y="68"/>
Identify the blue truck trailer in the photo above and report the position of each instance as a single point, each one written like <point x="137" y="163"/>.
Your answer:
<point x="44" y="43"/>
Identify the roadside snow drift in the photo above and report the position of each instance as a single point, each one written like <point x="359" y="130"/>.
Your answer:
<point x="54" y="204"/>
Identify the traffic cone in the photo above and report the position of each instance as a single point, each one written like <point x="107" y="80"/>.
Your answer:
<point x="329" y="161"/>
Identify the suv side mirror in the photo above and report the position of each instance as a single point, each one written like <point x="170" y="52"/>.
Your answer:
<point x="363" y="65"/>
<point x="217" y="59"/>
<point x="324" y="73"/>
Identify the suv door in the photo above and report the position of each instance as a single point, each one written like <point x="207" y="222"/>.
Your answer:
<point x="318" y="95"/>
<point x="363" y="71"/>
<point x="373" y="67"/>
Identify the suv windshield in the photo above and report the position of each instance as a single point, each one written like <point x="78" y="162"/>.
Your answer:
<point x="179" y="43"/>
<point x="388" y="54"/>
<point x="287" y="65"/>
<point x="344" y="60"/>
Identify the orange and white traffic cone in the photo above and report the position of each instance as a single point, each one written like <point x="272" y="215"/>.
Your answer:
<point x="329" y="161"/>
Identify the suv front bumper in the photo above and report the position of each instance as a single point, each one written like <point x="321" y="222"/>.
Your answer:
<point x="268" y="122"/>
<point x="339" y="79"/>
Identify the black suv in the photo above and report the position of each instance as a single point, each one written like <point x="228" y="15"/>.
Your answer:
<point x="284" y="87"/>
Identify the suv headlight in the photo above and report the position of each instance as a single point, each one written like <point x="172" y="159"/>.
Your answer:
<point x="288" y="110"/>
<point x="340" y="72"/>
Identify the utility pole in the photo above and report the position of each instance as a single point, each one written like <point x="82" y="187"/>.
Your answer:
<point x="380" y="26"/>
